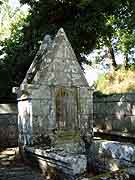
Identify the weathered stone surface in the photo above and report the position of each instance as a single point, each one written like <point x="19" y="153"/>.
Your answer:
<point x="8" y="108"/>
<point x="115" y="154"/>
<point x="131" y="171"/>
<point x="20" y="173"/>
<point x="55" y="106"/>
<point x="68" y="163"/>
<point x="54" y="93"/>
<point x="8" y="125"/>
<point x="25" y="121"/>
<point x="115" y="113"/>
<point x="12" y="168"/>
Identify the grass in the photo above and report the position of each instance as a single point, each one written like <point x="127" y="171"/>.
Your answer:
<point x="121" y="81"/>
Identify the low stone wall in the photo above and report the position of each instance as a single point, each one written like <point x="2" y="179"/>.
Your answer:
<point x="8" y="125"/>
<point x="115" y="113"/>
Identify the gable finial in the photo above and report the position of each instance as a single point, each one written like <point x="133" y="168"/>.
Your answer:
<point x="61" y="32"/>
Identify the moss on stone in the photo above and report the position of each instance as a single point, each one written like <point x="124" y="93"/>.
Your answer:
<point x="68" y="136"/>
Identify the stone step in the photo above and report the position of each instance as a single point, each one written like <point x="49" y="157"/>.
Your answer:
<point x="11" y="158"/>
<point x="8" y="151"/>
<point x="19" y="173"/>
<point x="12" y="152"/>
<point x="16" y="168"/>
<point x="25" y="177"/>
<point x="11" y="168"/>
<point x="14" y="173"/>
<point x="5" y="163"/>
<point x="5" y="157"/>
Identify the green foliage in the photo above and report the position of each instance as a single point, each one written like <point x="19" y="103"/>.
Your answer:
<point x="85" y="22"/>
<point x="11" y="48"/>
<point x="126" y="40"/>
<point x="119" y="35"/>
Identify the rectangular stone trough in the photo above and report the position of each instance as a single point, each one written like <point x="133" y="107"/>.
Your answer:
<point x="70" y="164"/>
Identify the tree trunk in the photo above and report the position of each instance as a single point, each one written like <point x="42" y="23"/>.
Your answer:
<point x="112" y="58"/>
<point x="126" y="62"/>
<point x="111" y="53"/>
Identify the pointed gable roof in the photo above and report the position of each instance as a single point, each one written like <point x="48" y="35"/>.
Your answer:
<point x="46" y="55"/>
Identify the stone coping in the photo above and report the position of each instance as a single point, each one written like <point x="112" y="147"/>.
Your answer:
<point x="100" y="133"/>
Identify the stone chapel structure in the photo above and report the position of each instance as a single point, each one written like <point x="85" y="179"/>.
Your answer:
<point x="54" y="95"/>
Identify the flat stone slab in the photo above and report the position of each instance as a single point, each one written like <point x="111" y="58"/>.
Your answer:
<point x="122" y="153"/>
<point x="68" y="163"/>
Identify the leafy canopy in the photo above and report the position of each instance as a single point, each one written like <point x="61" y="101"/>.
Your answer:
<point x="86" y="22"/>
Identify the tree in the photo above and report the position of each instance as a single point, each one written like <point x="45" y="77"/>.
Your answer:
<point x="126" y="34"/>
<point x="126" y="44"/>
<point x="85" y="22"/>
<point x="11" y="38"/>
<point x="82" y="20"/>
<point x="119" y="35"/>
<point x="5" y="14"/>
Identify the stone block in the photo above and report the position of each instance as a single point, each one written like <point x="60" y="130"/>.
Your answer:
<point x="123" y="125"/>
<point x="132" y="127"/>
<point x="42" y="92"/>
<point x="67" y="163"/>
<point x="36" y="110"/>
<point x="122" y="152"/>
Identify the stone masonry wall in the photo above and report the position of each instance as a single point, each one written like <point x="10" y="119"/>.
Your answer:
<point x="61" y="98"/>
<point x="115" y="113"/>
<point x="55" y="107"/>
<point x="8" y="125"/>
<point x="86" y="107"/>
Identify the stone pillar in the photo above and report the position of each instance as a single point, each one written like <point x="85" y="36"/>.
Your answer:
<point x="25" y="121"/>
